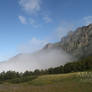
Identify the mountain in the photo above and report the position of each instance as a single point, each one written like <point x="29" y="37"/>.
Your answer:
<point x="77" y="43"/>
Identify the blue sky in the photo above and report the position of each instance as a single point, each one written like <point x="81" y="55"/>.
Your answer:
<point x="27" y="25"/>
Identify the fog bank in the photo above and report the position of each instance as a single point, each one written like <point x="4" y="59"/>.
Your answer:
<point x="42" y="59"/>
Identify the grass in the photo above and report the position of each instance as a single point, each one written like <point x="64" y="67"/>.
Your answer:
<point x="50" y="83"/>
<point x="52" y="79"/>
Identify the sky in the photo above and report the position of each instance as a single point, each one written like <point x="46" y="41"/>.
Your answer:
<point x="27" y="25"/>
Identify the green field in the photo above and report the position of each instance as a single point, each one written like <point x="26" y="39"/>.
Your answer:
<point x="51" y="83"/>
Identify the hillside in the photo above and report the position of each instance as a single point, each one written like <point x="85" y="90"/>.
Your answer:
<point x="78" y="43"/>
<point x="51" y="83"/>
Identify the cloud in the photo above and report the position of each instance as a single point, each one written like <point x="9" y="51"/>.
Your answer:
<point x="33" y="7"/>
<point x="42" y="59"/>
<point x="63" y="29"/>
<point x="47" y="19"/>
<point x="34" y="23"/>
<point x="87" y="20"/>
<point x="33" y="45"/>
<point x="30" y="6"/>
<point x="3" y="58"/>
<point x="65" y="26"/>
<point x="22" y="19"/>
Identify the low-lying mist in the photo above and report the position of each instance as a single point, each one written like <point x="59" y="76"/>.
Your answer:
<point x="42" y="59"/>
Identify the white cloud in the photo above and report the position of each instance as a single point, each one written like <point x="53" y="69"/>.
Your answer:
<point x="22" y="19"/>
<point x="30" y="6"/>
<point x="34" y="23"/>
<point x="33" y="7"/>
<point x="87" y="20"/>
<point x="33" y="45"/>
<point x="3" y="58"/>
<point x="47" y="19"/>
<point x="63" y="29"/>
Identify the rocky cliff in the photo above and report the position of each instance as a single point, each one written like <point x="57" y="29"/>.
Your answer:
<point x="78" y="43"/>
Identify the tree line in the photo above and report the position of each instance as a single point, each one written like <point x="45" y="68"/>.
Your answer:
<point x="75" y="66"/>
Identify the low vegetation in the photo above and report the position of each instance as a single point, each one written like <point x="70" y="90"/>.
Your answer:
<point x="72" y="77"/>
<point x="70" y="82"/>
<point x="77" y="66"/>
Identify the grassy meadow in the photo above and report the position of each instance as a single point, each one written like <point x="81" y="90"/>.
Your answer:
<point x="71" y="82"/>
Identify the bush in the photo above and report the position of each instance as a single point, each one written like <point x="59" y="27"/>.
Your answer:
<point x="23" y="79"/>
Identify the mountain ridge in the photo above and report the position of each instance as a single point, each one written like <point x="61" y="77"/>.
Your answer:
<point x="78" y="43"/>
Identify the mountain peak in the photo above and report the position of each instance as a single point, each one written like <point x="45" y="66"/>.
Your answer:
<point x="76" y="42"/>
